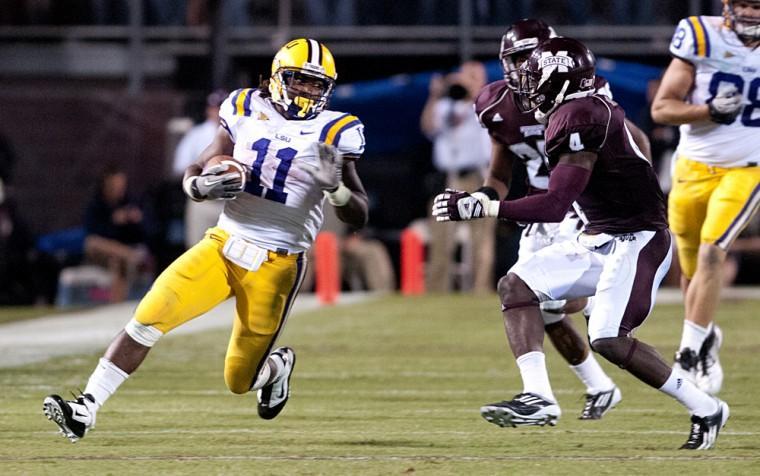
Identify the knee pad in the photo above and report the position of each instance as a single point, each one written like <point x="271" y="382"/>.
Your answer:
<point x="142" y="334"/>
<point x="551" y="311"/>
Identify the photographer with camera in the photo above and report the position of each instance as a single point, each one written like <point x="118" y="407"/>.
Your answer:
<point x="461" y="152"/>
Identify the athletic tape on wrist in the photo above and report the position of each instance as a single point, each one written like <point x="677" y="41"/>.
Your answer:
<point x="339" y="197"/>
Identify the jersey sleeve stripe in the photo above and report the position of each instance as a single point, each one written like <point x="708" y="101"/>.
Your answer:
<point x="336" y="130"/>
<point x="348" y="126"/>
<point x="329" y="125"/>
<point x="243" y="103"/>
<point x="698" y="31"/>
<point x="707" y="37"/>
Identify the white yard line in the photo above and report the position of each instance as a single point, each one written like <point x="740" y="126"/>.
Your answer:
<point x="37" y="340"/>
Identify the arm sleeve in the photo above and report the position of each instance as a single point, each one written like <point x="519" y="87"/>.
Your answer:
<point x="566" y="183"/>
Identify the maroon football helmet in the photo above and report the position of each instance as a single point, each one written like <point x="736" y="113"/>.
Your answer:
<point x="520" y="38"/>
<point x="558" y="69"/>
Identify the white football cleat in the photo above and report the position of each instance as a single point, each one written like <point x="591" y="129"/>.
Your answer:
<point x="709" y="370"/>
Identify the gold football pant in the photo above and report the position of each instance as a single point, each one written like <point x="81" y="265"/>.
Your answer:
<point x="202" y="278"/>
<point x="710" y="205"/>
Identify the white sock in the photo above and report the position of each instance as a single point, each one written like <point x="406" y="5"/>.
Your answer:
<point x="534" y="375"/>
<point x="693" y="335"/>
<point x="104" y="381"/>
<point x="698" y="402"/>
<point x="591" y="374"/>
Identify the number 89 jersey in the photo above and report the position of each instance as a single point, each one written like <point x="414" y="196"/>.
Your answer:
<point x="281" y="206"/>
<point x="721" y="62"/>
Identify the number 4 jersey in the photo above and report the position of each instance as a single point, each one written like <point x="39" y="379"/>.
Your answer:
<point x="721" y="62"/>
<point x="281" y="206"/>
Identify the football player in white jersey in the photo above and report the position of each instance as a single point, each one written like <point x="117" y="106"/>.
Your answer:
<point x="294" y="155"/>
<point x="710" y="90"/>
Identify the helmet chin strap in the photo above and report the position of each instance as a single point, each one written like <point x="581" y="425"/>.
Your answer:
<point x="543" y="117"/>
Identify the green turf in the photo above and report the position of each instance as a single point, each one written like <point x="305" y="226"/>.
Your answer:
<point x="20" y="313"/>
<point x="384" y="387"/>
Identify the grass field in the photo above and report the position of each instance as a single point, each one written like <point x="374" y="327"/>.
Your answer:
<point x="385" y="387"/>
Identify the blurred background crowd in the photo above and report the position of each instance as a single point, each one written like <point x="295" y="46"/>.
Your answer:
<point x="104" y="102"/>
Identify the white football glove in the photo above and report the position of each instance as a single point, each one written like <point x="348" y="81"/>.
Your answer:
<point x="725" y="106"/>
<point x="329" y="170"/>
<point x="458" y="205"/>
<point x="214" y="184"/>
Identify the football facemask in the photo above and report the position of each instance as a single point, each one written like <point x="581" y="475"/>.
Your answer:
<point x="304" y="95"/>
<point x="746" y="26"/>
<point x="303" y="78"/>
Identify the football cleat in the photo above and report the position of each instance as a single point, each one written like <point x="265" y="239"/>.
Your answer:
<point x="709" y="371"/>
<point x="598" y="404"/>
<point x="704" y="430"/>
<point x="526" y="409"/>
<point x="273" y="397"/>
<point x="73" y="417"/>
<point x="687" y="362"/>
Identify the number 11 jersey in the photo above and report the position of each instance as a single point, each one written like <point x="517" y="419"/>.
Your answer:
<point x="281" y="206"/>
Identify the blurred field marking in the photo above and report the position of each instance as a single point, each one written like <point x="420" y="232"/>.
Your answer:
<point x="421" y="458"/>
<point x="37" y="340"/>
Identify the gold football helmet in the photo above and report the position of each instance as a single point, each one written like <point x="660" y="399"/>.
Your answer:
<point x="303" y="78"/>
<point x="747" y="27"/>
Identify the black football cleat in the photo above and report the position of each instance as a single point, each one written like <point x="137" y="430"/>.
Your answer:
<point x="273" y="397"/>
<point x="73" y="417"/>
<point x="598" y="404"/>
<point x="526" y="409"/>
<point x="704" y="430"/>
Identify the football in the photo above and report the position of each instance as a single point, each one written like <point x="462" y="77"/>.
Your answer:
<point x="233" y="166"/>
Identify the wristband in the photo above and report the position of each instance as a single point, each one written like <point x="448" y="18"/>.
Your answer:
<point x="490" y="192"/>
<point x="490" y="207"/>
<point x="340" y="196"/>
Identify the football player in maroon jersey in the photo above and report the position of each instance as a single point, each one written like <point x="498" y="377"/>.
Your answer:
<point x="620" y="258"/>
<point x="517" y="137"/>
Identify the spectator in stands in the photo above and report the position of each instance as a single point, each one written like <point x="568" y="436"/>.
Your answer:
<point x="461" y="151"/>
<point x="199" y="216"/>
<point x="365" y="264"/>
<point x="17" y="271"/>
<point x="116" y="233"/>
